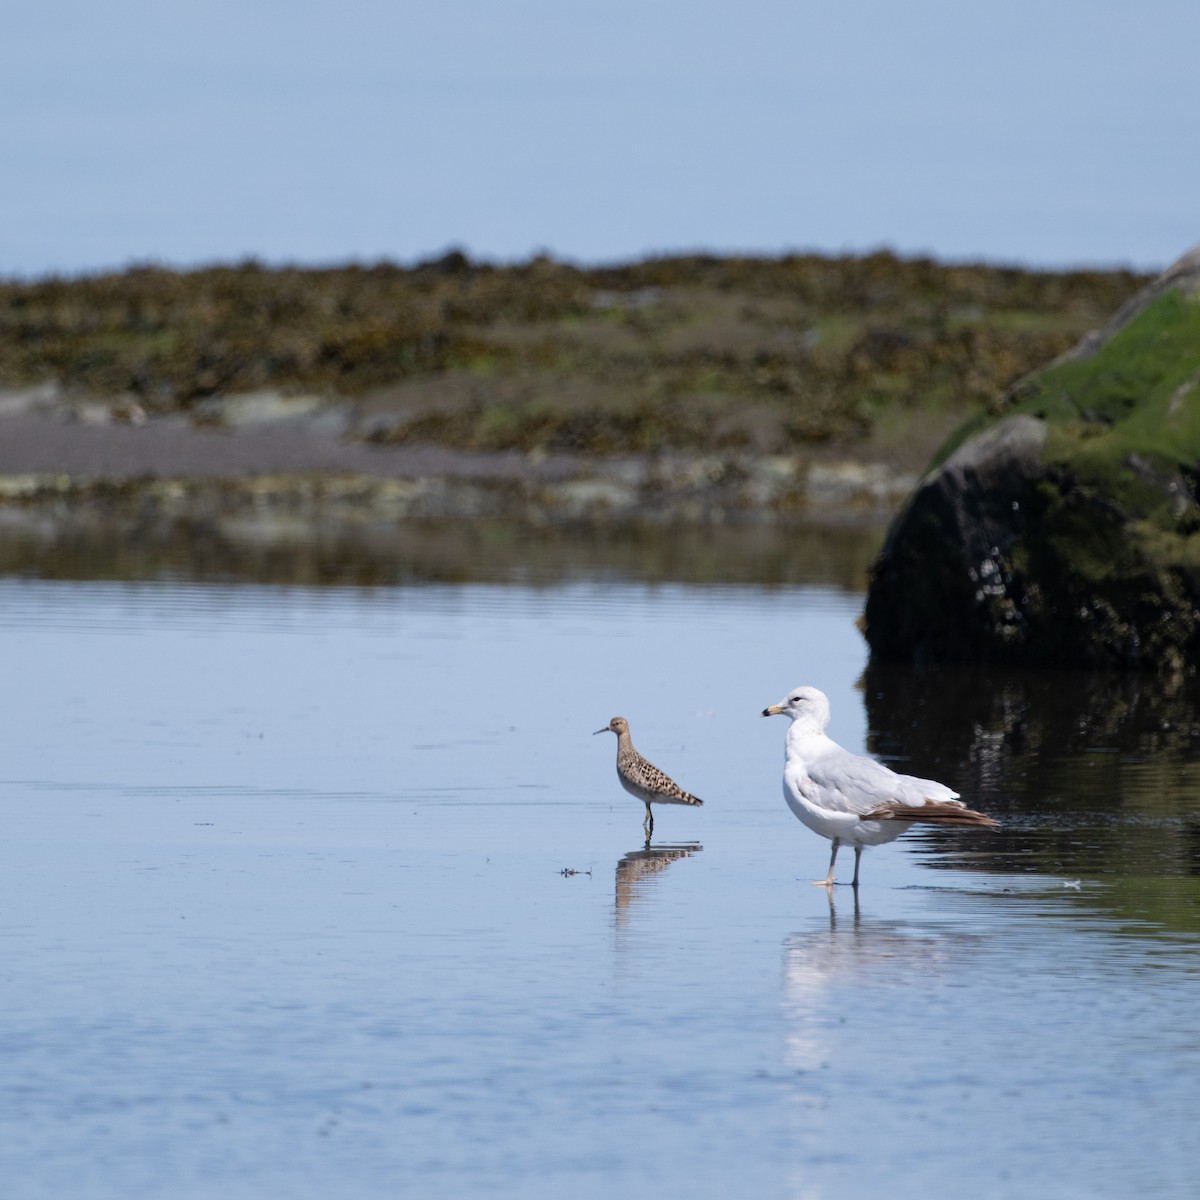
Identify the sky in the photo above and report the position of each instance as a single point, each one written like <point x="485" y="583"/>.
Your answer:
<point x="1042" y="132"/>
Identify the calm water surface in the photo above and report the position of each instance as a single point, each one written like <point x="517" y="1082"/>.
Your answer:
<point x="283" y="906"/>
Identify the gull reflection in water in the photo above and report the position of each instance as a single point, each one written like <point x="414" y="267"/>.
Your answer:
<point x="638" y="867"/>
<point x="824" y="963"/>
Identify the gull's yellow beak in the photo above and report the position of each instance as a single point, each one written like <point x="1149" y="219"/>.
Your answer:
<point x="773" y="711"/>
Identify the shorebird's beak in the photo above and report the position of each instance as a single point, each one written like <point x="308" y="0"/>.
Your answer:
<point x="773" y="711"/>
<point x="604" y="730"/>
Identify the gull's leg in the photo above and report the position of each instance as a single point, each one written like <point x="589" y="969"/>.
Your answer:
<point x="828" y="880"/>
<point x="857" y="856"/>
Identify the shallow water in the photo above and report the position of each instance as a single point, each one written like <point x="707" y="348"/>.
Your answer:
<point x="316" y="892"/>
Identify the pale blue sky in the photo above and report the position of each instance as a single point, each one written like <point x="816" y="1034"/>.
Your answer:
<point x="1049" y="132"/>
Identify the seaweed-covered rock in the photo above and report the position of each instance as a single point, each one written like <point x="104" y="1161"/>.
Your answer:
<point x="1063" y="528"/>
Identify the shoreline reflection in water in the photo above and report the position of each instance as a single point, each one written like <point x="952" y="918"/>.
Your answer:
<point x="1089" y="773"/>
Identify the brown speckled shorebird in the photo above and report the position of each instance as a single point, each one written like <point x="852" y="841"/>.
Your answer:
<point x="641" y="778"/>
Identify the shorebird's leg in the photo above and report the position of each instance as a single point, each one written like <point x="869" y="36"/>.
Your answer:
<point x="828" y="880"/>
<point x="648" y="823"/>
<point x="857" y="856"/>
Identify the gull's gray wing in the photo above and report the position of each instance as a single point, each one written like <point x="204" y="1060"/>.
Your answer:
<point x="853" y="784"/>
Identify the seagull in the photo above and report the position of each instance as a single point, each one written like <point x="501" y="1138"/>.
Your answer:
<point x="849" y="798"/>
<point x="641" y="778"/>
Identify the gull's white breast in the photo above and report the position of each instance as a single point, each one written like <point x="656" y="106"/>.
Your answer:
<point x="829" y="789"/>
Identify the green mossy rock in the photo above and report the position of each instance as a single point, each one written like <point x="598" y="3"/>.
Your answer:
<point x="1063" y="528"/>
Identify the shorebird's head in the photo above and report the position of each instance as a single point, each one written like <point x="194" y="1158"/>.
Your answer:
<point x="806" y="704"/>
<point x="617" y="725"/>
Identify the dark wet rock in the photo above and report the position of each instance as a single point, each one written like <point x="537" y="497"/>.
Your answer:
<point x="1064" y="529"/>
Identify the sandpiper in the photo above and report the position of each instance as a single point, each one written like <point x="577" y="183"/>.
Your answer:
<point x="641" y="778"/>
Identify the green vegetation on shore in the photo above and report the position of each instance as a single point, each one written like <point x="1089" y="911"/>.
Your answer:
<point x="689" y="352"/>
<point x="1134" y="395"/>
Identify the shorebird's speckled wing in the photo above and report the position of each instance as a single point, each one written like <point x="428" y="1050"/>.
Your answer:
<point x="651" y="783"/>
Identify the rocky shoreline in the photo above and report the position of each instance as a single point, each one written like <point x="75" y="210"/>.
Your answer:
<point x="298" y="456"/>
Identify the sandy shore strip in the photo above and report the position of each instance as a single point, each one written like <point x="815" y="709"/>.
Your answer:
<point x="298" y="454"/>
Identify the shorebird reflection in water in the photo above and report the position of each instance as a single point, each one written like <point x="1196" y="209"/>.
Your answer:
<point x="641" y="778"/>
<point x="848" y="798"/>
<point x="638" y="867"/>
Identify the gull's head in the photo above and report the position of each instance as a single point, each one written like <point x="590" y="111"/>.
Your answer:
<point x="617" y="725"/>
<point x="805" y="704"/>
